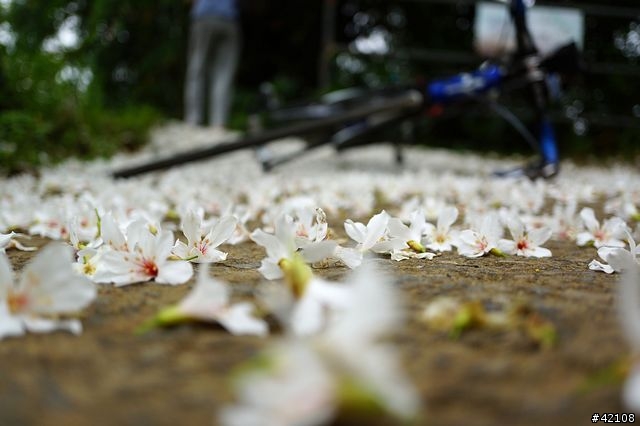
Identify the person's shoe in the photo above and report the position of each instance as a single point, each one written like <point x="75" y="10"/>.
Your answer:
<point x="534" y="170"/>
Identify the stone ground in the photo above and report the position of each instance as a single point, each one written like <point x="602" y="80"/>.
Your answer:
<point x="109" y="375"/>
<point x="180" y="376"/>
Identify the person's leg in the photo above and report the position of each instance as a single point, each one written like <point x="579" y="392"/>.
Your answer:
<point x="223" y="68"/>
<point x="195" y="78"/>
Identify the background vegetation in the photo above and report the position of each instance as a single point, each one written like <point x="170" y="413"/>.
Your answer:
<point x="125" y="71"/>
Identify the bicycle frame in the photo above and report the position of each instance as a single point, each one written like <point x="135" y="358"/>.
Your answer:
<point x="524" y="68"/>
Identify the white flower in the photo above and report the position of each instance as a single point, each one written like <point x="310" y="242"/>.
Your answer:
<point x="209" y="300"/>
<point x="442" y="238"/>
<point x="610" y="233"/>
<point x="406" y="241"/>
<point x="202" y="248"/>
<point x="564" y="220"/>
<point x="353" y="340"/>
<point x="617" y="257"/>
<point x="146" y="258"/>
<point x="472" y="243"/>
<point x="301" y="381"/>
<point x="47" y="287"/>
<point x="628" y="304"/>
<point x="311" y="226"/>
<point x="525" y="243"/>
<point x="281" y="248"/>
<point x="370" y="235"/>
<point x="631" y="389"/>
<point x="296" y="389"/>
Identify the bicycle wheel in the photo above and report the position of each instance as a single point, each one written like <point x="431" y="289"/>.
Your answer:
<point x="407" y="102"/>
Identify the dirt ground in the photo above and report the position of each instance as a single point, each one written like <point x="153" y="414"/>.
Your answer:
<point x="179" y="376"/>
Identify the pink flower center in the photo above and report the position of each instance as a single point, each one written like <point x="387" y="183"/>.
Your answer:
<point x="17" y="302"/>
<point x="203" y="247"/>
<point x="302" y="231"/>
<point x="523" y="244"/>
<point x="150" y="268"/>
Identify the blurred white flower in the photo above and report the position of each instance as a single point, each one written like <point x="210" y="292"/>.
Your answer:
<point x="610" y="233"/>
<point x="617" y="257"/>
<point x="303" y="380"/>
<point x="628" y="304"/>
<point x="209" y="301"/>
<point x="47" y="287"/>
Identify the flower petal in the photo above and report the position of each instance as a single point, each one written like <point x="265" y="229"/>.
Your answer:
<point x="222" y="230"/>
<point x="270" y="269"/>
<point x="446" y="218"/>
<point x="355" y="230"/>
<point x="192" y="227"/>
<point x="9" y="325"/>
<point x="589" y="218"/>
<point x="315" y="252"/>
<point x="174" y="272"/>
<point x="207" y="298"/>
<point x="594" y="265"/>
<point x="239" y="321"/>
<point x="6" y="275"/>
<point x="44" y="325"/>
<point x="539" y="236"/>
<point x="275" y="249"/>
<point x="51" y="283"/>
<point x="349" y="256"/>
<point x="376" y="228"/>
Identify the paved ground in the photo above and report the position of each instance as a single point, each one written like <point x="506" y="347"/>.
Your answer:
<point x="109" y="375"/>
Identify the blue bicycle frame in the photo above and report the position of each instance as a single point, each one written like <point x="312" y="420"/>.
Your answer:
<point x="489" y="76"/>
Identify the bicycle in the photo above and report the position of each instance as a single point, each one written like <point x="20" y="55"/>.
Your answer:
<point x="346" y="118"/>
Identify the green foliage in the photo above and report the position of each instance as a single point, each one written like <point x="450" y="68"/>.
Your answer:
<point x="57" y="104"/>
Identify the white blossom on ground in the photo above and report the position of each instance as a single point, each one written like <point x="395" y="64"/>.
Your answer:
<point x="628" y="304"/>
<point x="281" y="248"/>
<point x="442" y="237"/>
<point x="525" y="242"/>
<point x="46" y="288"/>
<point x="210" y="301"/>
<point x="320" y="304"/>
<point x="408" y="241"/>
<point x="296" y="388"/>
<point x="565" y="222"/>
<point x="311" y="226"/>
<point x="369" y="237"/>
<point x="611" y="233"/>
<point x="301" y="381"/>
<point x="146" y="257"/>
<point x="201" y="245"/>
<point x="481" y="241"/>
<point x="616" y="258"/>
